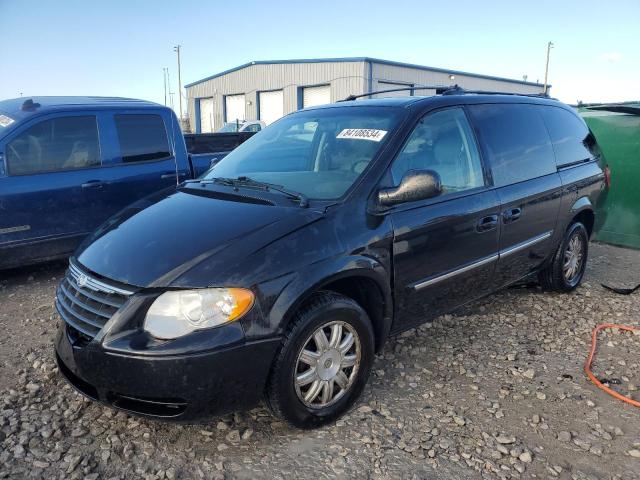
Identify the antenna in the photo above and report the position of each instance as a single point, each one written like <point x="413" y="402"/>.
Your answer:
<point x="546" y="68"/>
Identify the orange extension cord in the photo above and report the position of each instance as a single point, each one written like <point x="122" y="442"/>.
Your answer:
<point x="587" y="364"/>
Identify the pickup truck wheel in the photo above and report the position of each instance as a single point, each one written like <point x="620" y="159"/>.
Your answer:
<point x="568" y="264"/>
<point x="324" y="362"/>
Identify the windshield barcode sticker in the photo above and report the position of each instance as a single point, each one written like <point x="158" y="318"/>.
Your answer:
<point x="363" y="134"/>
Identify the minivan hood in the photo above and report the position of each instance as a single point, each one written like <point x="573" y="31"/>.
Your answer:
<point x="160" y="238"/>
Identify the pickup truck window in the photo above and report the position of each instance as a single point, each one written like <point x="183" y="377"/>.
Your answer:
<point x="516" y="140"/>
<point x="65" y="143"/>
<point x="443" y="142"/>
<point x="143" y="138"/>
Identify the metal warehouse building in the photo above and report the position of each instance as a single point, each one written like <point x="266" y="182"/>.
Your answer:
<point x="267" y="90"/>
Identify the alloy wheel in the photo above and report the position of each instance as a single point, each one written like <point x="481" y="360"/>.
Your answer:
<point x="327" y="364"/>
<point x="573" y="258"/>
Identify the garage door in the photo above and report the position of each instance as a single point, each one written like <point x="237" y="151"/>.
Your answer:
<point x="234" y="108"/>
<point x="271" y="106"/>
<point x="206" y="115"/>
<point x="312" y="96"/>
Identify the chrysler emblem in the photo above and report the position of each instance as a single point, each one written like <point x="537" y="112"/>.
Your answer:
<point x="82" y="280"/>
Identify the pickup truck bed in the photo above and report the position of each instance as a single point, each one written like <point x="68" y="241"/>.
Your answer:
<point x="207" y="149"/>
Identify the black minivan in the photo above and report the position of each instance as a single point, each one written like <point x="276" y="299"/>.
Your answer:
<point x="282" y="271"/>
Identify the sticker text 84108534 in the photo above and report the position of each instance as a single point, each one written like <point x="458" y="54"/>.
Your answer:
<point x="362" y="134"/>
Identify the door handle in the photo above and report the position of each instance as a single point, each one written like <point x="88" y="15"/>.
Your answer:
<point x="511" y="215"/>
<point x="488" y="223"/>
<point x="97" y="184"/>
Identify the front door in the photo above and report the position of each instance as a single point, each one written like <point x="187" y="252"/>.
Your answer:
<point x="51" y="189"/>
<point x="445" y="248"/>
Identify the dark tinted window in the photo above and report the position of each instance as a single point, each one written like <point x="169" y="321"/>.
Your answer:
<point x="516" y="141"/>
<point x="66" y="143"/>
<point x="443" y="142"/>
<point x="572" y="141"/>
<point x="214" y="142"/>
<point x="142" y="138"/>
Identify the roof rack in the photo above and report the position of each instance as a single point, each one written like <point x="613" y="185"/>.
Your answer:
<point x="29" y="105"/>
<point x="457" y="90"/>
<point x="444" y="90"/>
<point x="438" y="88"/>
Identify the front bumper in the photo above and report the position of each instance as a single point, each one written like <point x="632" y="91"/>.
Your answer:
<point x="183" y="388"/>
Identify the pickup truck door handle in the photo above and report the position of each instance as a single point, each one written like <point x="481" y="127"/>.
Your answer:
<point x="511" y="215"/>
<point x="488" y="223"/>
<point x="164" y="176"/>
<point x="97" y="184"/>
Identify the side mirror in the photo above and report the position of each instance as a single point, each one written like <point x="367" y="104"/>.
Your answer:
<point x="415" y="185"/>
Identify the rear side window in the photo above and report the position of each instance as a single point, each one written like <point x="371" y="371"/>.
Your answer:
<point x="571" y="139"/>
<point x="143" y="138"/>
<point x="516" y="141"/>
<point x="65" y="143"/>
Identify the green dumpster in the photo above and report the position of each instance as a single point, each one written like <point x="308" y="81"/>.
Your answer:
<point x="617" y="129"/>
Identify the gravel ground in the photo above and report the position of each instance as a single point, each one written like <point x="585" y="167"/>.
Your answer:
<point x="494" y="390"/>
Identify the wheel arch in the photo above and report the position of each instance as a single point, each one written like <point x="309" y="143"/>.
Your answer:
<point x="582" y="211"/>
<point x="363" y="279"/>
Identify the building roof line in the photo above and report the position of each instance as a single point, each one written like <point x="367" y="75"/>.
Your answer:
<point x="363" y="59"/>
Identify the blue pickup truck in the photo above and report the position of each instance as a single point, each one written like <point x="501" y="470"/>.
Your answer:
<point x="69" y="163"/>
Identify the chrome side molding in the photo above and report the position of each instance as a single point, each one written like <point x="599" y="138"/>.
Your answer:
<point x="483" y="261"/>
<point x="453" y="273"/>
<point x="523" y="245"/>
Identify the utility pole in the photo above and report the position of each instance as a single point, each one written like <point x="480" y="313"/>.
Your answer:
<point x="177" y="50"/>
<point x="546" y="68"/>
<point x="164" y="77"/>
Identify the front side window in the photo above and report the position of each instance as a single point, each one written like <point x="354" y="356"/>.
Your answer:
<point x="143" y="138"/>
<point x="319" y="153"/>
<point x="571" y="139"/>
<point x="516" y="140"/>
<point x="442" y="142"/>
<point x="65" y="143"/>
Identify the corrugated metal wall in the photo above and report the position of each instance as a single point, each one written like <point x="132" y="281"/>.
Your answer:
<point x="394" y="73"/>
<point x="345" y="78"/>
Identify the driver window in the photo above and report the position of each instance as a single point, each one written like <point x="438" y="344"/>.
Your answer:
<point x="443" y="142"/>
<point x="65" y="143"/>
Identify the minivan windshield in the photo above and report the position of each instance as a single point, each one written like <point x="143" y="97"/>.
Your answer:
<point x="319" y="153"/>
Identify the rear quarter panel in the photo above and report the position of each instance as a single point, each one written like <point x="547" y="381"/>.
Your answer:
<point x="581" y="187"/>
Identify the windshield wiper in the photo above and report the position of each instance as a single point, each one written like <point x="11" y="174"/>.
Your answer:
<point x="244" y="181"/>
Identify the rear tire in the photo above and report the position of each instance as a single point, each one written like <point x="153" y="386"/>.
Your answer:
<point x="566" y="269"/>
<point x="324" y="362"/>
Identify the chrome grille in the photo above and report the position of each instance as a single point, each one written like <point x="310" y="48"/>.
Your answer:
<point x="86" y="303"/>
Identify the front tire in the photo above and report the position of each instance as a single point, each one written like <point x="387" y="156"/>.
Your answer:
<point x="324" y="362"/>
<point x="567" y="267"/>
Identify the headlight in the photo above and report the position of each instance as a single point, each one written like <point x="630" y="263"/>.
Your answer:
<point x="177" y="313"/>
